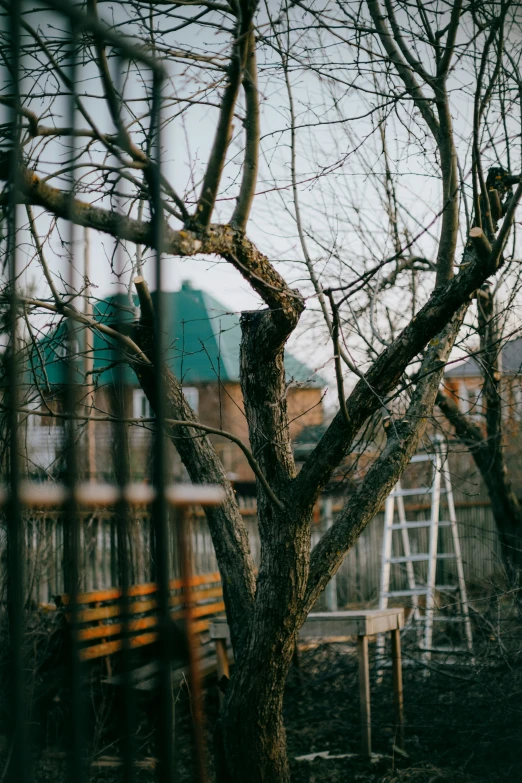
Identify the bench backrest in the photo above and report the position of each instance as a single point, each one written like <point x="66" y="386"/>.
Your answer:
<point x="102" y="623"/>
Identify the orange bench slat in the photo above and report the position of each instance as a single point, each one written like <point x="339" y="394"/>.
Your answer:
<point x="204" y="588"/>
<point x="146" y="588"/>
<point x="108" y="648"/>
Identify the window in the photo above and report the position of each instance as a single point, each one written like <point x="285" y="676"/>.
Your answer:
<point x="470" y="400"/>
<point x="192" y="397"/>
<point x="140" y="405"/>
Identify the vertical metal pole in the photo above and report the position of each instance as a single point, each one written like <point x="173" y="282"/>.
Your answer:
<point x="331" y="588"/>
<point x="194" y="675"/>
<point x="72" y="522"/>
<point x="397" y="685"/>
<point x="160" y="510"/>
<point x="19" y="766"/>
<point x="432" y="551"/>
<point x="364" y="696"/>
<point x="387" y="535"/>
<point x="122" y="469"/>
<point x="458" y="554"/>
<point x="410" y="571"/>
<point x="406" y="547"/>
<point x="386" y="548"/>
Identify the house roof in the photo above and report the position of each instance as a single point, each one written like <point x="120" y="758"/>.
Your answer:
<point x="511" y="362"/>
<point x="202" y="339"/>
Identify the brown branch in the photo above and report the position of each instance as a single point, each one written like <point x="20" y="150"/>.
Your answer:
<point x="251" y="161"/>
<point x="135" y="351"/>
<point x="414" y="64"/>
<point x="388" y="368"/>
<point x="224" y="240"/>
<point x="445" y="61"/>
<point x="216" y="162"/>
<point x="466" y="430"/>
<point x="480" y="243"/>
<point x="403" y="69"/>
<point x="402" y="441"/>
<point x="337" y="359"/>
<point x="489" y="458"/>
<point x="43" y="261"/>
<point x="146" y="305"/>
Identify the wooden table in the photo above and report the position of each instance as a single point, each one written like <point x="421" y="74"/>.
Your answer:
<point x="335" y="626"/>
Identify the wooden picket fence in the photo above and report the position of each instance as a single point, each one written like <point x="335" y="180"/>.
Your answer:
<point x="357" y="581"/>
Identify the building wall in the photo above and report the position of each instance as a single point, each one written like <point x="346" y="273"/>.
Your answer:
<point x="221" y="408"/>
<point x="467" y="394"/>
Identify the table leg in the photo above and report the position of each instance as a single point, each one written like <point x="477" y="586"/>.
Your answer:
<point x="364" y="696"/>
<point x="397" y="685"/>
<point x="222" y="664"/>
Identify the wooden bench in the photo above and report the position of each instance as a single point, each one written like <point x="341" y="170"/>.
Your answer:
<point x="336" y="626"/>
<point x="106" y="623"/>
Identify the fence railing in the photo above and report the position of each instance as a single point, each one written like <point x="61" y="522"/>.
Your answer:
<point x="356" y="582"/>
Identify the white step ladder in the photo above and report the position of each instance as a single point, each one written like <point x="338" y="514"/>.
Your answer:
<point x="422" y="618"/>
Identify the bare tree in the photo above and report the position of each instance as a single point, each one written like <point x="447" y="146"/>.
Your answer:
<point x="409" y="60"/>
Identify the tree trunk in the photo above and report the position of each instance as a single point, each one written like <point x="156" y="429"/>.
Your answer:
<point x="489" y="458"/>
<point x="505" y="507"/>
<point x="252" y="734"/>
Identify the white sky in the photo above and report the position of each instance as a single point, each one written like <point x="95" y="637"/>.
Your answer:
<point x="329" y="205"/>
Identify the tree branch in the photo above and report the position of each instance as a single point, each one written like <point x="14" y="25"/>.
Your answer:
<point x="445" y="61"/>
<point x="403" y="69"/>
<point x="402" y="442"/>
<point x="337" y="359"/>
<point x="251" y="161"/>
<point x="387" y="369"/>
<point x="216" y="162"/>
<point x="223" y="240"/>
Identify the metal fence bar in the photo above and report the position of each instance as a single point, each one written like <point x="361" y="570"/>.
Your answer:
<point x="80" y="550"/>
<point x="160" y="508"/>
<point x="121" y="463"/>
<point x="72" y="526"/>
<point x="19" y="766"/>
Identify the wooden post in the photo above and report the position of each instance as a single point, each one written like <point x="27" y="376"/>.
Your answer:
<point x="364" y="696"/>
<point x="222" y="664"/>
<point x="397" y="686"/>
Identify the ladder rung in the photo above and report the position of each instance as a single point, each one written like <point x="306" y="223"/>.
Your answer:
<point x="420" y="558"/>
<point x="397" y="493"/>
<point x="409" y="558"/>
<point x="421" y="524"/>
<point x="413" y="591"/>
<point x="423" y="457"/>
<point x="448" y="649"/>
<point x="446" y="588"/>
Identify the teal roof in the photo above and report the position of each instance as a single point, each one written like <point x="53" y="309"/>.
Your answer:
<point x="202" y="340"/>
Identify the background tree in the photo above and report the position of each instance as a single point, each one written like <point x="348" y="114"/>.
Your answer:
<point x="326" y="60"/>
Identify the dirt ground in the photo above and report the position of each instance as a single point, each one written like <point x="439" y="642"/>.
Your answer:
<point x="463" y="723"/>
